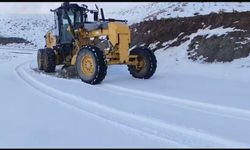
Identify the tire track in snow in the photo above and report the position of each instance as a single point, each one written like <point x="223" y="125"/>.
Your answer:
<point x="149" y="126"/>
<point x="75" y="102"/>
<point x="225" y="111"/>
<point x="18" y="49"/>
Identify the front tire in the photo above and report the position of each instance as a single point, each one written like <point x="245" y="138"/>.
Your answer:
<point x="147" y="61"/>
<point x="49" y="64"/>
<point x="91" y="65"/>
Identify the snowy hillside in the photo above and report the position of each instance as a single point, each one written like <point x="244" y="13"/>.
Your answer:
<point x="30" y="27"/>
<point x="176" y="9"/>
<point x="175" y="59"/>
<point x="167" y="33"/>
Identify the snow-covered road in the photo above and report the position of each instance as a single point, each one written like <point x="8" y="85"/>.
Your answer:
<point x="30" y="118"/>
<point x="173" y="109"/>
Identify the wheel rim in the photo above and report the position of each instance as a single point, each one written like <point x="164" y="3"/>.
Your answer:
<point x="87" y="65"/>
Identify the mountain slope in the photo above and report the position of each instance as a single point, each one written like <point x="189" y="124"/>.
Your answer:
<point x="160" y="10"/>
<point x="30" y="27"/>
<point x="212" y="43"/>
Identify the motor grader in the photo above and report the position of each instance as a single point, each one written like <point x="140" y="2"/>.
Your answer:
<point x="90" y="46"/>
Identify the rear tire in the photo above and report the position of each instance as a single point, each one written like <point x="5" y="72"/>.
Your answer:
<point x="49" y="64"/>
<point x="40" y="59"/>
<point x="148" y="59"/>
<point x="91" y="65"/>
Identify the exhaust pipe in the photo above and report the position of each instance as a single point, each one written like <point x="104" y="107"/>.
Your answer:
<point x="102" y="14"/>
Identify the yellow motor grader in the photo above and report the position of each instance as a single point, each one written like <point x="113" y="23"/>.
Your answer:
<point x="90" y="46"/>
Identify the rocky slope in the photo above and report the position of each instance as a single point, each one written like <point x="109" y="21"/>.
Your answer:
<point x="167" y="33"/>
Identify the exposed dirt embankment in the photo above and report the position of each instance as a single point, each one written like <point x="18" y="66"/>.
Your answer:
<point x="11" y="40"/>
<point x="172" y="32"/>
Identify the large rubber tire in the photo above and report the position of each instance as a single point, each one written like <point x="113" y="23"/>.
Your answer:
<point x="98" y="63"/>
<point x="49" y="64"/>
<point x="40" y="59"/>
<point x="150" y="63"/>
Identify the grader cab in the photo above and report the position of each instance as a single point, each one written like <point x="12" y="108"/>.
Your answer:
<point x="90" y="46"/>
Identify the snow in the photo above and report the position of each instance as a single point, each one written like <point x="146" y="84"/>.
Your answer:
<point x="218" y="31"/>
<point x="153" y="45"/>
<point x="30" y="27"/>
<point x="246" y="40"/>
<point x="201" y="32"/>
<point x="30" y="118"/>
<point x="172" y="41"/>
<point x="177" y="56"/>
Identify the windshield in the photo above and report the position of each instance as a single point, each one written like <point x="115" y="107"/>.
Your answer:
<point x="66" y="36"/>
<point x="75" y="17"/>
